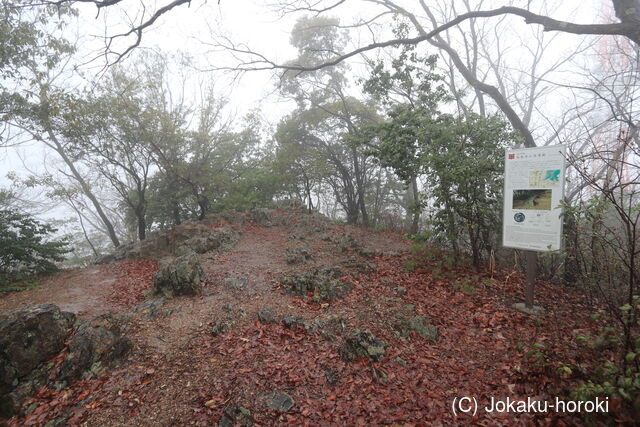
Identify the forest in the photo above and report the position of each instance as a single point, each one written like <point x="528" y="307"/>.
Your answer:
<point x="297" y="164"/>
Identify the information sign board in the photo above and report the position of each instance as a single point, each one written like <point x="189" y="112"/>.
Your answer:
<point x="533" y="189"/>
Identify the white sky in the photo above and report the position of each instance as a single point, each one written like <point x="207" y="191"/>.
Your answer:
<point x="187" y="29"/>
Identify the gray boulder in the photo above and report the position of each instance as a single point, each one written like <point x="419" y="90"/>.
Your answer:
<point x="418" y="324"/>
<point x="347" y="242"/>
<point x="182" y="276"/>
<point x="28" y="339"/>
<point x="214" y="240"/>
<point x="280" y="401"/>
<point x="362" y="344"/>
<point x="220" y="327"/>
<point x="297" y="254"/>
<point x="261" y="216"/>
<point x="265" y="315"/>
<point x="291" y="322"/>
<point x="237" y="283"/>
<point x="236" y="416"/>
<point x="150" y="309"/>
<point x="95" y="346"/>
<point x="153" y="246"/>
<point x="320" y="281"/>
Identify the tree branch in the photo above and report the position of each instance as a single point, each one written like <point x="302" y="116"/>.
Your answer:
<point x="627" y="29"/>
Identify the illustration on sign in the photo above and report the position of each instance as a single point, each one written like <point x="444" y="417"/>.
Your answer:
<point x="533" y="189"/>
<point x="545" y="179"/>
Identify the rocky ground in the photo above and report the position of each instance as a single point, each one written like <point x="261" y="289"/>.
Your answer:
<point x="297" y="320"/>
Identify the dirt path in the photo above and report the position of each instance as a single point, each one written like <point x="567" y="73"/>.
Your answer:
<point x="82" y="291"/>
<point x="258" y="258"/>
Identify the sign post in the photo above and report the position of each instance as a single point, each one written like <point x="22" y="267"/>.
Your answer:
<point x="531" y="258"/>
<point x="532" y="215"/>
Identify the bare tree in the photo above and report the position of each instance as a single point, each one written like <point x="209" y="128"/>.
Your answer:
<point x="627" y="11"/>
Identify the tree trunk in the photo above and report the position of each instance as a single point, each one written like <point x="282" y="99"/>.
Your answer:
<point x="142" y="226"/>
<point x="57" y="146"/>
<point x="352" y="211"/>
<point x="203" y="204"/>
<point x="359" y="187"/>
<point x="174" y="187"/>
<point x="84" y="230"/>
<point x="176" y="214"/>
<point x="415" y="224"/>
<point x="307" y="190"/>
<point x="84" y="185"/>
<point x="571" y="265"/>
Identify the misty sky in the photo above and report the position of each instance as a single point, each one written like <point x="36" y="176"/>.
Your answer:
<point x="191" y="29"/>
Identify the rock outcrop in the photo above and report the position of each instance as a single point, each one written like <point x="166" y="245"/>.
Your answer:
<point x="280" y="401"/>
<point x="297" y="254"/>
<point x="261" y="216"/>
<point x="362" y="344"/>
<point x="265" y="315"/>
<point x="321" y="282"/>
<point x="217" y="232"/>
<point x="93" y="348"/>
<point x="182" y="276"/>
<point x="234" y="416"/>
<point x="33" y="338"/>
<point x="418" y="324"/>
<point x="154" y="247"/>
<point x="236" y="283"/>
<point x="208" y="241"/>
<point x="28" y="339"/>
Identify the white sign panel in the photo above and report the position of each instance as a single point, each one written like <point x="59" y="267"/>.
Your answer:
<point x="533" y="189"/>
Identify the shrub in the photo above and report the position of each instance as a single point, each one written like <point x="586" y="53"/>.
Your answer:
<point x="24" y="248"/>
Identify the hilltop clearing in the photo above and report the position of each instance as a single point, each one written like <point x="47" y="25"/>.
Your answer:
<point x="303" y="321"/>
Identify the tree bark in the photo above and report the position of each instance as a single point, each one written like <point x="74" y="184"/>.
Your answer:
<point x="175" y="211"/>
<point x="571" y="264"/>
<point x="415" y="223"/>
<point x="203" y="204"/>
<point x="84" y="230"/>
<point x="142" y="226"/>
<point x="360" y="187"/>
